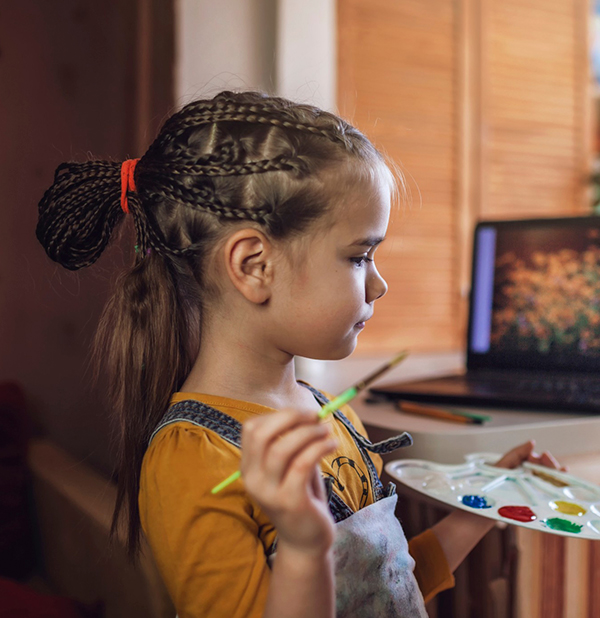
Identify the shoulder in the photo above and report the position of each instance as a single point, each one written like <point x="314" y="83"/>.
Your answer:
<point x="180" y="467"/>
<point x="183" y="440"/>
<point x="182" y="455"/>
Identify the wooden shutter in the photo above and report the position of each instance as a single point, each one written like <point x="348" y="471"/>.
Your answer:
<point x="535" y="132"/>
<point x="397" y="65"/>
<point x="485" y="105"/>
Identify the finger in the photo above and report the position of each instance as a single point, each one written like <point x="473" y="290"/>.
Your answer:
<point x="301" y="469"/>
<point x="258" y="432"/>
<point x="318" y="485"/>
<point x="516" y="456"/>
<point x="547" y="459"/>
<point x="281" y="452"/>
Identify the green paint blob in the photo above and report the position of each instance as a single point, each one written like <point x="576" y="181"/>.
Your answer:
<point x="557" y="523"/>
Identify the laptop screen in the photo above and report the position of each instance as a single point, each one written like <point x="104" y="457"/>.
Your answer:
<point x="535" y="301"/>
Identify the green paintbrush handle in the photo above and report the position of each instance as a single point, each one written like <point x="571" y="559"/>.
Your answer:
<point x="339" y="401"/>
<point x="233" y="477"/>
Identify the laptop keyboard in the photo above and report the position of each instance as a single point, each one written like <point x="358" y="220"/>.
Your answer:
<point x="571" y="390"/>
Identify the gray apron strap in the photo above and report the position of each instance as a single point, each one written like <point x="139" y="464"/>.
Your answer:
<point x="364" y="445"/>
<point x="204" y="416"/>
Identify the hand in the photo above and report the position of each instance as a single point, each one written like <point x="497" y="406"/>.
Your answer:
<point x="280" y="469"/>
<point x="524" y="452"/>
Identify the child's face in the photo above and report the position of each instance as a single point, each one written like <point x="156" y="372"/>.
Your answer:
<point x="323" y="303"/>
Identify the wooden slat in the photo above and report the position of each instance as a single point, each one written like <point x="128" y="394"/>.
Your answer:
<point x="532" y="95"/>
<point x="482" y="105"/>
<point x="552" y="564"/>
<point x="577" y="566"/>
<point x="594" y="581"/>
<point x="397" y="83"/>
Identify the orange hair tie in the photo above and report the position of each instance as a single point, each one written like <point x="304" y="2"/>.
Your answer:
<point x="127" y="181"/>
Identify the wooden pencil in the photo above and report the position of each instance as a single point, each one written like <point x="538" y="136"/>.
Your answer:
<point x="411" y="407"/>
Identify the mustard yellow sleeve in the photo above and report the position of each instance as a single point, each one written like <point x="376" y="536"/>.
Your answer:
<point x="207" y="547"/>
<point x="431" y="569"/>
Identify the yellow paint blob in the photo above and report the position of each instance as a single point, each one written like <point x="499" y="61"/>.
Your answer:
<point x="568" y="508"/>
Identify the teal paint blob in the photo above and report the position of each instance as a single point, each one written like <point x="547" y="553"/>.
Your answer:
<point x="558" y="523"/>
<point x="476" y="502"/>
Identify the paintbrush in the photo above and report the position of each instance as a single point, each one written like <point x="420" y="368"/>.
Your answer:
<point x="333" y="405"/>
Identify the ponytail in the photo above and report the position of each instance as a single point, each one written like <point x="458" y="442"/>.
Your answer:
<point x="143" y="343"/>
<point x="79" y="211"/>
<point x="148" y="333"/>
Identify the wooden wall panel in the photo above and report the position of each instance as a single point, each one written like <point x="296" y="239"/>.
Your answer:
<point x="397" y="83"/>
<point x="534" y="86"/>
<point x="78" y="80"/>
<point x="485" y="105"/>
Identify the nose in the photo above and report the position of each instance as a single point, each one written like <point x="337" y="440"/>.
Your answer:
<point x="376" y="285"/>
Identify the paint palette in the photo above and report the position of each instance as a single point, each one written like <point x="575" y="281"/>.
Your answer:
<point x="532" y="496"/>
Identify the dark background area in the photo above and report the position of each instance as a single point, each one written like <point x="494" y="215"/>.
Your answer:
<point x="78" y="80"/>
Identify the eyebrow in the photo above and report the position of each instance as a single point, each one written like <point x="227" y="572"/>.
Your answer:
<point x="371" y="241"/>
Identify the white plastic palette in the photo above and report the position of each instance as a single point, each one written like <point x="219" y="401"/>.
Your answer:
<point x="561" y="503"/>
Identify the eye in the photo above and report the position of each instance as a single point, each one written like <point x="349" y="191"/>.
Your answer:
<point x="359" y="261"/>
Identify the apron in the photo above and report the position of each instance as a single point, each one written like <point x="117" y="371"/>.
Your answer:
<point x="373" y="570"/>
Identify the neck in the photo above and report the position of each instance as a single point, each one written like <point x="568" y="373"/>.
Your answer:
<point x="236" y="361"/>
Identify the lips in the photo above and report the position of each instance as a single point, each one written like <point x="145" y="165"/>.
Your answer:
<point x="361" y="324"/>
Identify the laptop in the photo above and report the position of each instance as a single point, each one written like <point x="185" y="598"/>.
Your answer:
<point x="533" y="339"/>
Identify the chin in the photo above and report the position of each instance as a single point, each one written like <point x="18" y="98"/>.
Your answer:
<point x="342" y="351"/>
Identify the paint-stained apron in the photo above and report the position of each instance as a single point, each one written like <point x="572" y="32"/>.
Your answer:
<point x="373" y="570"/>
<point x="374" y="575"/>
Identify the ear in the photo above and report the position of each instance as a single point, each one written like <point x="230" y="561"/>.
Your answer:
<point x="249" y="262"/>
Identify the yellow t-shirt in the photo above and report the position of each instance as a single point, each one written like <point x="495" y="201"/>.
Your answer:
<point x="210" y="549"/>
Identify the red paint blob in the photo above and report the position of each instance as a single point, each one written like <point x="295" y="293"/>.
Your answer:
<point x="519" y="513"/>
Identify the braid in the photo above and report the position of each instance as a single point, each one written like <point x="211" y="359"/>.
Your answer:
<point x="277" y="164"/>
<point x="79" y="211"/>
<point x="215" y="116"/>
<point x="205" y="199"/>
<point x="195" y="162"/>
<point x="229" y="107"/>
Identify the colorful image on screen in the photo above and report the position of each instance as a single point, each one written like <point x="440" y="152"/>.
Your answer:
<point x="546" y="296"/>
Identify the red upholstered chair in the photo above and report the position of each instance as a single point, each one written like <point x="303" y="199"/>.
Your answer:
<point x="21" y="601"/>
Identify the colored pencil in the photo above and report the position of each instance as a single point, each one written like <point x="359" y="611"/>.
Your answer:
<point x="333" y="405"/>
<point x="454" y="416"/>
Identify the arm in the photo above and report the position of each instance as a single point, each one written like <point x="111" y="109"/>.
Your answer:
<point x="301" y="585"/>
<point x="459" y="532"/>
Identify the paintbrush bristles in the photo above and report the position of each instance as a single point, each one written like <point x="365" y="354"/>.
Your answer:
<point x="370" y="378"/>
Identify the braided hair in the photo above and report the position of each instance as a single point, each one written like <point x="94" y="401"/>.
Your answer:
<point x="233" y="158"/>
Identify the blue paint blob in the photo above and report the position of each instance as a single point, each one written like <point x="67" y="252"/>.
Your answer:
<point x="476" y="502"/>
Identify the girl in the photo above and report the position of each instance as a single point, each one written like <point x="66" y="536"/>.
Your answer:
<point x="256" y="224"/>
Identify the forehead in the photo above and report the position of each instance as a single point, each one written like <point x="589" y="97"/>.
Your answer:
<point x="363" y="209"/>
